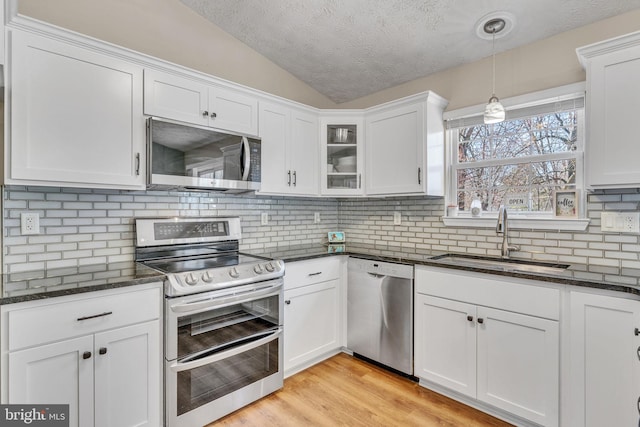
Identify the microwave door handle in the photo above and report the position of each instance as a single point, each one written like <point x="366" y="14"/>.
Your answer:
<point x="179" y="367"/>
<point x="246" y="154"/>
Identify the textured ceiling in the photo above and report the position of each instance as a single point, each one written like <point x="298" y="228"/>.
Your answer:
<point x="347" y="49"/>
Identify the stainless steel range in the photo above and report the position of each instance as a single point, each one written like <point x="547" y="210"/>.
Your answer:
<point x="223" y="316"/>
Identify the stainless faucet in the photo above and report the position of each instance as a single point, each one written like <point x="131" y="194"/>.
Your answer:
<point x="503" y="227"/>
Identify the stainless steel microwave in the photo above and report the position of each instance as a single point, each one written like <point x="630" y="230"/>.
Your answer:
<point x="190" y="157"/>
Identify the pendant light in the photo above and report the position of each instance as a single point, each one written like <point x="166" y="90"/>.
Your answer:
<point x="494" y="111"/>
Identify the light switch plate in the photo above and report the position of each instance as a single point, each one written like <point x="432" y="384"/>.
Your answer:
<point x="397" y="218"/>
<point x="620" y="222"/>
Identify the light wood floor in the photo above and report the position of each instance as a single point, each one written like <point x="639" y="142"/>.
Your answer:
<point x="344" y="391"/>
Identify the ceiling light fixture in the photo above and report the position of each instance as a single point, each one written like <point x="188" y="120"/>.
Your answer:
<point x="494" y="111"/>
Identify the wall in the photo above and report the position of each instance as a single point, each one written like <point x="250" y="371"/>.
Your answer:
<point x="80" y="227"/>
<point x="169" y="30"/>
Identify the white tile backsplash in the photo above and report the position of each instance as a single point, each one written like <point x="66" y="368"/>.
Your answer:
<point x="80" y="226"/>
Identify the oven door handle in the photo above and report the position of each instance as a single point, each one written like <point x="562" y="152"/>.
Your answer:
<point x="179" y="367"/>
<point x="221" y="299"/>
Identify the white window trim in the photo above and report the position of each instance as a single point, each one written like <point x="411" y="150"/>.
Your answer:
<point x="516" y="221"/>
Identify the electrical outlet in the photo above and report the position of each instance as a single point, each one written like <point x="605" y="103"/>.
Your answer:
<point x="397" y="218"/>
<point x="30" y="223"/>
<point x="264" y="218"/>
<point x="316" y="217"/>
<point x="622" y="222"/>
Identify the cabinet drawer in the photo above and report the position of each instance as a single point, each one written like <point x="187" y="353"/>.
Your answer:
<point x="53" y="321"/>
<point x="303" y="273"/>
<point x="504" y="293"/>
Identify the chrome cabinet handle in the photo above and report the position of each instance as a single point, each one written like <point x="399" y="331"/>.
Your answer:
<point x="638" y="352"/>
<point x="137" y="164"/>
<point x="480" y="320"/>
<point x="289" y="178"/>
<point x="86" y="355"/>
<point x="295" y="179"/>
<point x="205" y="114"/>
<point x="106" y="313"/>
<point x="419" y="176"/>
<point x="638" y="405"/>
<point x="103" y="350"/>
<point x="636" y="332"/>
<point x="359" y="180"/>
<point x="288" y="302"/>
<point x="470" y="318"/>
<point x="315" y="274"/>
<point x="214" y="115"/>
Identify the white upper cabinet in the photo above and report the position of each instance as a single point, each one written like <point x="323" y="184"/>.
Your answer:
<point x="613" y="105"/>
<point x="289" y="150"/>
<point x="405" y="147"/>
<point x="180" y="98"/>
<point x="342" y="154"/>
<point x="75" y="117"/>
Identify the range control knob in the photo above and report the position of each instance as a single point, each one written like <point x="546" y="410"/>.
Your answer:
<point x="258" y="269"/>
<point x="269" y="266"/>
<point x="234" y="272"/>
<point x="207" y="277"/>
<point x="191" y="279"/>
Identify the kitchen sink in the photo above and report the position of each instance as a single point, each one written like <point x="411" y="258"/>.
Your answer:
<point x="514" y="265"/>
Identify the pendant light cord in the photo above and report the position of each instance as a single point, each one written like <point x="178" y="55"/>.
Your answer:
<point x="493" y="52"/>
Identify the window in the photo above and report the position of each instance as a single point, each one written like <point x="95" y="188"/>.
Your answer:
<point x="520" y="162"/>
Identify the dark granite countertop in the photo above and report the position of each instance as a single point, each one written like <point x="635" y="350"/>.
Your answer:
<point x="33" y="285"/>
<point x="624" y="280"/>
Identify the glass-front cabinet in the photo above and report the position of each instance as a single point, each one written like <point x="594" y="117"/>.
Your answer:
<point x="342" y="155"/>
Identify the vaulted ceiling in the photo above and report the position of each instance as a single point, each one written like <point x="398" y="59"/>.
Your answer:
<point x="347" y="49"/>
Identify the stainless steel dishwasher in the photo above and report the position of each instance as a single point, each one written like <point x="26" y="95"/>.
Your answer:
<point x="380" y="312"/>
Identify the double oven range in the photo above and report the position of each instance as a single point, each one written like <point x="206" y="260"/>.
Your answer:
<point x="223" y="316"/>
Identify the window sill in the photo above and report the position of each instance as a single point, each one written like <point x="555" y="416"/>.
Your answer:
<point x="560" y="224"/>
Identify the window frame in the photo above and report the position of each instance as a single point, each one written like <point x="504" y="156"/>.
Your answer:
<point x="519" y="220"/>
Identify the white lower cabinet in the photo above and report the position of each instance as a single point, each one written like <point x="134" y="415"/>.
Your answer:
<point x="470" y="339"/>
<point x="110" y="377"/>
<point x="312" y="312"/>
<point x="604" y="384"/>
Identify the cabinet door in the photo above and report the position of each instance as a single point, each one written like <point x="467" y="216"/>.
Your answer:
<point x="233" y="111"/>
<point x="76" y="116"/>
<point x="613" y="106"/>
<point x="127" y="376"/>
<point x="518" y="364"/>
<point x="55" y="374"/>
<point x="605" y="370"/>
<point x="395" y="150"/>
<point x="342" y="155"/>
<point x="274" y="132"/>
<point x="445" y="343"/>
<point x="302" y="152"/>
<point x="311" y="322"/>
<point x="177" y="98"/>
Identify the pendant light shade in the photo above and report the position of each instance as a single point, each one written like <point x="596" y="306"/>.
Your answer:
<point x="494" y="111"/>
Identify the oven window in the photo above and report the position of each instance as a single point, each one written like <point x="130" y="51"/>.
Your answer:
<point x="219" y="329"/>
<point x="199" y="386"/>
